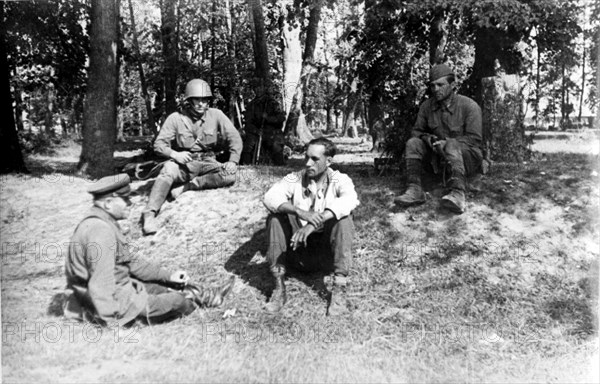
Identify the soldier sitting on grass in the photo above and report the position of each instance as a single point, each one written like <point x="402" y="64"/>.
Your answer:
<point x="448" y="128"/>
<point x="114" y="286"/>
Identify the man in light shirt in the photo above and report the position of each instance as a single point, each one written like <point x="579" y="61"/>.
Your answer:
<point x="310" y="227"/>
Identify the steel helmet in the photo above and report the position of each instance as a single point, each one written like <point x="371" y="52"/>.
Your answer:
<point x="197" y="88"/>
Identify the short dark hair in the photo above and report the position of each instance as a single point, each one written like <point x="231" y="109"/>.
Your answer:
<point x="330" y="149"/>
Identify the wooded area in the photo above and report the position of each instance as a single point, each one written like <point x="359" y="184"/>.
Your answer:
<point x="101" y="71"/>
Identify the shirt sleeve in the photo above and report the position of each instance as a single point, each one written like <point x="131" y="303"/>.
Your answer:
<point x="100" y="258"/>
<point x="162" y="143"/>
<point x="281" y="192"/>
<point x="473" y="129"/>
<point x="146" y="271"/>
<point x="346" y="198"/>
<point x="234" y="140"/>
<point x="420" y="127"/>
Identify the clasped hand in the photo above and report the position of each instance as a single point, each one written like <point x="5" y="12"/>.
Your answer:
<point x="314" y="218"/>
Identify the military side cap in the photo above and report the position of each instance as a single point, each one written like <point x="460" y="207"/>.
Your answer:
<point x="439" y="70"/>
<point x="109" y="185"/>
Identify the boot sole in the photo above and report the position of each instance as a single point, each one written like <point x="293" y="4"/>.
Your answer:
<point x="451" y="206"/>
<point x="408" y="204"/>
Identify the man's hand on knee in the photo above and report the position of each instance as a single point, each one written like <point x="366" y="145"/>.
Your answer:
<point x="230" y="167"/>
<point x="301" y="236"/>
<point x="181" y="157"/>
<point x="439" y="146"/>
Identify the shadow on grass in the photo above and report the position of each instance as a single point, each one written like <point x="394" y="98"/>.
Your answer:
<point x="258" y="275"/>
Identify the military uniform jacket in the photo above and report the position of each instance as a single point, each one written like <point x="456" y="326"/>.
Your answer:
<point x="213" y="132"/>
<point x="458" y="117"/>
<point x="104" y="276"/>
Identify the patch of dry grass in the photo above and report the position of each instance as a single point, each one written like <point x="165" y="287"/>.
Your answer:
<point x="501" y="293"/>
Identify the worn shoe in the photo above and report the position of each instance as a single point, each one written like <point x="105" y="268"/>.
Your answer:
<point x="279" y="296"/>
<point x="454" y="201"/>
<point x="209" y="297"/>
<point x="413" y="195"/>
<point x="150" y="223"/>
<point x="175" y="192"/>
<point x="338" y="296"/>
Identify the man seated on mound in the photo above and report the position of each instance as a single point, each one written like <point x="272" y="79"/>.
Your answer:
<point x="199" y="134"/>
<point x="448" y="127"/>
<point x="310" y="227"/>
<point x="115" y="286"/>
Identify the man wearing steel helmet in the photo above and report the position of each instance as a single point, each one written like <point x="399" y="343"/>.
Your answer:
<point x="199" y="134"/>
<point x="448" y="127"/>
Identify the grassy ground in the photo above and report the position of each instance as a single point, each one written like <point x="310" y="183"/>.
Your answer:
<point x="501" y="293"/>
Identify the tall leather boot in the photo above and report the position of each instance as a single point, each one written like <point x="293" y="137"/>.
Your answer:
<point x="158" y="195"/>
<point x="279" y="296"/>
<point x="414" y="193"/>
<point x="209" y="297"/>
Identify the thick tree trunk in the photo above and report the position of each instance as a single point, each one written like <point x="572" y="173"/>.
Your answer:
<point x="136" y="50"/>
<point x="261" y="54"/>
<point x="169" y="41"/>
<point x="292" y="52"/>
<point x="295" y="124"/>
<point x="12" y="159"/>
<point x="233" y="79"/>
<point x="486" y="51"/>
<point x="100" y="111"/>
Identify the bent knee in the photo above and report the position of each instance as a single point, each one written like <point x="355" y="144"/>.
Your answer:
<point x="170" y="168"/>
<point x="415" y="148"/>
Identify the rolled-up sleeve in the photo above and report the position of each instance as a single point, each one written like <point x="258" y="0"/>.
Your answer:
<point x="345" y="200"/>
<point x="281" y="192"/>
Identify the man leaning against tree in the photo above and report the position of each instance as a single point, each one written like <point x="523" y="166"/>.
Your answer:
<point x="447" y="130"/>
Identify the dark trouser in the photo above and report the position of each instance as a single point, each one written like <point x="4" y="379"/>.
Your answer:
<point x="328" y="250"/>
<point x="164" y="304"/>
<point x="272" y="143"/>
<point x="463" y="160"/>
<point x="201" y="174"/>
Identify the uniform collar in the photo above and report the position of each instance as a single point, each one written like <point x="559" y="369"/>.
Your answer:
<point x="447" y="104"/>
<point x="103" y="215"/>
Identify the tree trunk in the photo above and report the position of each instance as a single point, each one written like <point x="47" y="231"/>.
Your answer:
<point x="295" y="124"/>
<point x="486" y="51"/>
<point x="231" y="53"/>
<point x="597" y="120"/>
<point x="582" y="84"/>
<point x="49" y="114"/>
<point x="261" y="54"/>
<point x="213" y="43"/>
<point x="136" y="50"/>
<point x="292" y="52"/>
<point x="169" y="41"/>
<point x="437" y="39"/>
<point x="348" y="126"/>
<point x="12" y="158"/>
<point x="100" y="111"/>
